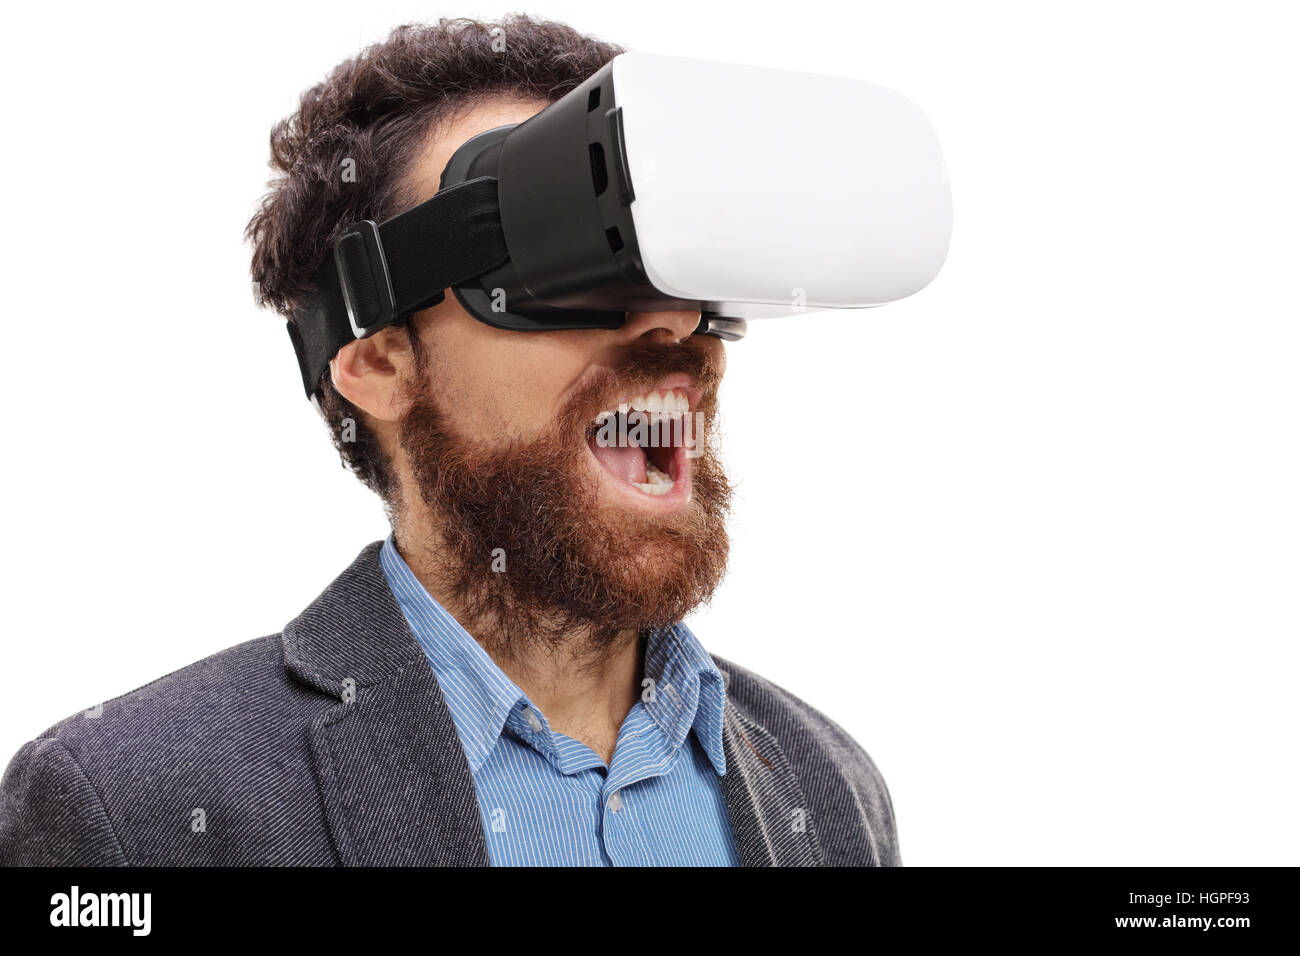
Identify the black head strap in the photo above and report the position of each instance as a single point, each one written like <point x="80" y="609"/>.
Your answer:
<point x="381" y="274"/>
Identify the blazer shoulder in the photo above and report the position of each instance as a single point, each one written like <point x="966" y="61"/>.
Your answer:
<point x="185" y="691"/>
<point x="203" y="736"/>
<point x="767" y="703"/>
<point x="51" y="814"/>
<point x="832" y="766"/>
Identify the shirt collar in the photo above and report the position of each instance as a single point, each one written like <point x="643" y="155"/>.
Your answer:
<point x="687" y="690"/>
<point x="682" y="687"/>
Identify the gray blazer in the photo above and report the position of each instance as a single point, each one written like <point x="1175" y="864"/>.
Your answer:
<point x="330" y="744"/>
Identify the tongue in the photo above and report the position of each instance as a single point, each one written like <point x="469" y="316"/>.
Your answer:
<point x="626" y="462"/>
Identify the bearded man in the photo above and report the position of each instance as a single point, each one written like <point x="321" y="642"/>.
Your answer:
<point x="505" y="680"/>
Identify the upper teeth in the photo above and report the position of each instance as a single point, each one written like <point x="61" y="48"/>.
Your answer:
<point x="656" y="405"/>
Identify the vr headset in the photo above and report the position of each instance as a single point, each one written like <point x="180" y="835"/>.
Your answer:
<point x="661" y="183"/>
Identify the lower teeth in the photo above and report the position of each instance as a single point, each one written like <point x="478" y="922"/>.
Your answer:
<point x="657" y="482"/>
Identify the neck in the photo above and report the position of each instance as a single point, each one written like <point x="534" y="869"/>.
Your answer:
<point x="584" y="683"/>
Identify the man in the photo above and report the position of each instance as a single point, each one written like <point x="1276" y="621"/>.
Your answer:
<point x="506" y="679"/>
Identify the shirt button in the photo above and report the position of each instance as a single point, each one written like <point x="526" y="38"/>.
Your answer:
<point x="616" y="802"/>
<point x="534" y="721"/>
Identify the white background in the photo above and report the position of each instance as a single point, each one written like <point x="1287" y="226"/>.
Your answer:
<point x="1031" y="536"/>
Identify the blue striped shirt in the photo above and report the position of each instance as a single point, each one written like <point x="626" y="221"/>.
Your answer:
<point x="547" y="799"/>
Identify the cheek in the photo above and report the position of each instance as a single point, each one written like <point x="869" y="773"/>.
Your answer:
<point x="497" y="385"/>
<point x="717" y="351"/>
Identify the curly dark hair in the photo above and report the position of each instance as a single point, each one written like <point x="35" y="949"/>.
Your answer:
<point x="375" y="111"/>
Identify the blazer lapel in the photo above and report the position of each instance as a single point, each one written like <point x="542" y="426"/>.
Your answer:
<point x="395" y="784"/>
<point x="770" y="820"/>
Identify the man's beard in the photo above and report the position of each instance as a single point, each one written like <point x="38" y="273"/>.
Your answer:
<point x="571" y="568"/>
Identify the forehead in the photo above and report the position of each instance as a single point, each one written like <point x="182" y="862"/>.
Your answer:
<point x="449" y="135"/>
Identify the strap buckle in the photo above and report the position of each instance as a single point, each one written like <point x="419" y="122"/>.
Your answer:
<point x="364" y="280"/>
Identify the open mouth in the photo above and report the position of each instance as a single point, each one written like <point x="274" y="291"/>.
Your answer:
<point x="641" y="442"/>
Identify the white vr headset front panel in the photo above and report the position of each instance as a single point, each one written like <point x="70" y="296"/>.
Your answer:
<point x="756" y="186"/>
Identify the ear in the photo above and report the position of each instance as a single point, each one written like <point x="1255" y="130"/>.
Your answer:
<point x="369" y="373"/>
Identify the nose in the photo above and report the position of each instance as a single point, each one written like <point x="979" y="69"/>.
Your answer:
<point x="661" y="328"/>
